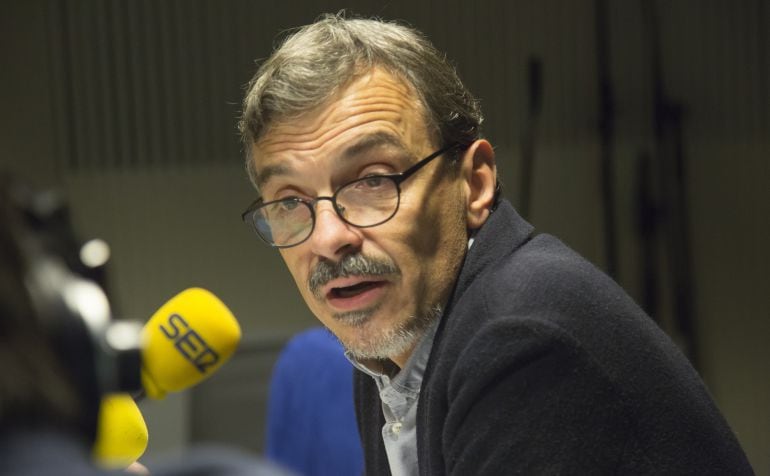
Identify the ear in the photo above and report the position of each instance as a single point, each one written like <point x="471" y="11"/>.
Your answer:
<point x="480" y="176"/>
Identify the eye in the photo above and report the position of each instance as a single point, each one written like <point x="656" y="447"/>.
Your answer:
<point x="287" y="205"/>
<point x="372" y="182"/>
<point x="282" y="209"/>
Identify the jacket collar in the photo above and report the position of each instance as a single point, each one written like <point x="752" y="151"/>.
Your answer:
<point x="504" y="232"/>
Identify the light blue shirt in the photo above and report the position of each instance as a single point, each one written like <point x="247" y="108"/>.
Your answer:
<point x="399" y="394"/>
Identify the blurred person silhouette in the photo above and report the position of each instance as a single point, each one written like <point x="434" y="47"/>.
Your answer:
<point x="311" y="421"/>
<point x="56" y="357"/>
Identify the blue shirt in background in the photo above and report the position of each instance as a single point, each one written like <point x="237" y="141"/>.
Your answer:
<point x="311" y="423"/>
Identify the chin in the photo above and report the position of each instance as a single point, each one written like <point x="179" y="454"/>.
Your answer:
<point x="383" y="345"/>
<point x="367" y="341"/>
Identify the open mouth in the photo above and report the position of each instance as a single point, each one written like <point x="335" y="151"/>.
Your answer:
<point x="354" y="290"/>
<point x="357" y="296"/>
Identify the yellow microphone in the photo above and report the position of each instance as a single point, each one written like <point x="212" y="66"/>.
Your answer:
<point x="121" y="434"/>
<point x="185" y="341"/>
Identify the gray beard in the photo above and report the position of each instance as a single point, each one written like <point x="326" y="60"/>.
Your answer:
<point x="385" y="343"/>
<point x="357" y="318"/>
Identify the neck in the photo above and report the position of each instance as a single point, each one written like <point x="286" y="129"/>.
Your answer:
<point x="403" y="358"/>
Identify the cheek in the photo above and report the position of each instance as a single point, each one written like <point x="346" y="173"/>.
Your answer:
<point x="440" y="245"/>
<point x="296" y="268"/>
<point x="427" y="244"/>
<point x="435" y="230"/>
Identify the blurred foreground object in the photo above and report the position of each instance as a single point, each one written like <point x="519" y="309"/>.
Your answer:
<point x="122" y="433"/>
<point x="62" y="354"/>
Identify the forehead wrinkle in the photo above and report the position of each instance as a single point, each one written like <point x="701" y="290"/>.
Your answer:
<point x="361" y="146"/>
<point x="332" y="122"/>
<point x="371" y="141"/>
<point x="378" y="88"/>
<point x="300" y="142"/>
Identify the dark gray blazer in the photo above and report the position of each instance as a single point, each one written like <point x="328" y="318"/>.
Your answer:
<point x="543" y="365"/>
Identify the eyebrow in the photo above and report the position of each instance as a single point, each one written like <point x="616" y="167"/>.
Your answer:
<point x="363" y="145"/>
<point x="269" y="171"/>
<point x="369" y="142"/>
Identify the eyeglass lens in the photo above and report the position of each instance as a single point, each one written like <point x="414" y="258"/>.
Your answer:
<point x="365" y="202"/>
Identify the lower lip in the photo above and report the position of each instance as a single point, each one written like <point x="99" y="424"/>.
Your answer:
<point x="362" y="300"/>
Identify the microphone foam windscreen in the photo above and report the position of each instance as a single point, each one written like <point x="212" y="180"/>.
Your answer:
<point x="185" y="341"/>
<point x="121" y="435"/>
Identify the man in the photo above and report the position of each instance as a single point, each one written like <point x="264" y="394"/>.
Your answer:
<point x="483" y="348"/>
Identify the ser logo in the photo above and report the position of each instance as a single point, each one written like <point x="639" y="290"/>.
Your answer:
<point x="189" y="343"/>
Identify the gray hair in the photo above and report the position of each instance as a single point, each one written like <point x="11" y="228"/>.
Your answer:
<point x="320" y="59"/>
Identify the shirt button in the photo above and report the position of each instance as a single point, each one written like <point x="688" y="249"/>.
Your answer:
<point x="396" y="428"/>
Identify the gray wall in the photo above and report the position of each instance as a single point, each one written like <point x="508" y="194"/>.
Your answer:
<point x="130" y="107"/>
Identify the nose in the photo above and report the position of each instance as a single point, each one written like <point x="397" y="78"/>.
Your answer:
<point x="332" y="237"/>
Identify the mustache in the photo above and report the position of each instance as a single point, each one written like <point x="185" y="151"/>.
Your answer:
<point x="351" y="265"/>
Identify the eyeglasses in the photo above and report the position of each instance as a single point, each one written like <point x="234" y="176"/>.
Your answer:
<point x="363" y="203"/>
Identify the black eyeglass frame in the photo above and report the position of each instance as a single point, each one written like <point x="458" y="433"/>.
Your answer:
<point x="397" y="178"/>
